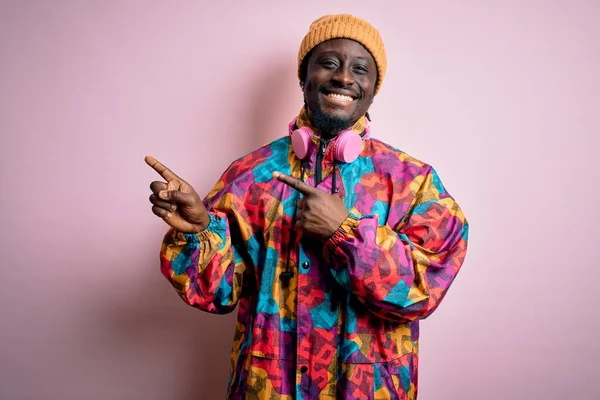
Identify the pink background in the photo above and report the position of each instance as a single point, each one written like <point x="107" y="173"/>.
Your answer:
<point x="501" y="97"/>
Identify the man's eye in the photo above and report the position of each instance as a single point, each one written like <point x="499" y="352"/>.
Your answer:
<point x="328" y="63"/>
<point x="360" y="69"/>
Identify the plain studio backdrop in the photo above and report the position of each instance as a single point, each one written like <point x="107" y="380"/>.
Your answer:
<point x="501" y="97"/>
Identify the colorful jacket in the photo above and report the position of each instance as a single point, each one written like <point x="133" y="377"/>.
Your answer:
<point x="347" y="324"/>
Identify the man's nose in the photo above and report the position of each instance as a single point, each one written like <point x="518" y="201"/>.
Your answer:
<point x="343" y="76"/>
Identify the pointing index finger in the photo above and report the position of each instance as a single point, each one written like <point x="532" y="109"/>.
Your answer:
<point x="295" y="183"/>
<point x="161" y="168"/>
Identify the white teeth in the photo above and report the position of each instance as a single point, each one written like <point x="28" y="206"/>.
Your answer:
<point x="339" y="97"/>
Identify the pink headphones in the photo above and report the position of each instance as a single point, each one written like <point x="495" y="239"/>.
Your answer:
<point x="348" y="144"/>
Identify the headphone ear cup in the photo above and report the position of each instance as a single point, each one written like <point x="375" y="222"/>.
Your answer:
<point x="301" y="141"/>
<point x="348" y="147"/>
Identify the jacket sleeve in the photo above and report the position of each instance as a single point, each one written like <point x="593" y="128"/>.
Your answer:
<point x="207" y="269"/>
<point x="402" y="273"/>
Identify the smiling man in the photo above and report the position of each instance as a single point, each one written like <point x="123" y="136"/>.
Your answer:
<point x="332" y="244"/>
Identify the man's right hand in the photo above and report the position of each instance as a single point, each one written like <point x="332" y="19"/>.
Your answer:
<point x="176" y="201"/>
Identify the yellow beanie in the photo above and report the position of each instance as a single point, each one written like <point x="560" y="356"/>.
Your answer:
<point x="348" y="27"/>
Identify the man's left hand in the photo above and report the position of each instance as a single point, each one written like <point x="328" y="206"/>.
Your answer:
<point x="319" y="214"/>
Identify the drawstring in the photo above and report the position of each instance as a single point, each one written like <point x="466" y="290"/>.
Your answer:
<point x="287" y="274"/>
<point x="334" y="188"/>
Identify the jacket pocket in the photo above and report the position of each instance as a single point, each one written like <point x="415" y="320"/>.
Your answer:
<point x="377" y="345"/>
<point x="274" y="344"/>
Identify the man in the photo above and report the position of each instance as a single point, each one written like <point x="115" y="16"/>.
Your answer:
<point x="332" y="244"/>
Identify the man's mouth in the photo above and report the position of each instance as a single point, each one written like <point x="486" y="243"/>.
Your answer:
<point x="339" y="97"/>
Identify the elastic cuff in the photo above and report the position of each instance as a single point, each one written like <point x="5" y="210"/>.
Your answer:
<point x="204" y="235"/>
<point x="350" y="224"/>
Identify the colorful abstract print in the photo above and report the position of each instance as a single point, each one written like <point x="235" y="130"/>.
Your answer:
<point x="347" y="324"/>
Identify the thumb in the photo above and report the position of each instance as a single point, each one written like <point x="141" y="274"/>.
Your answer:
<point x="177" y="196"/>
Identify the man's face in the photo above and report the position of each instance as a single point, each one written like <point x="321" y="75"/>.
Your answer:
<point x="340" y="84"/>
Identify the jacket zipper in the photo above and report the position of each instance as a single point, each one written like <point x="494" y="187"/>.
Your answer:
<point x="318" y="170"/>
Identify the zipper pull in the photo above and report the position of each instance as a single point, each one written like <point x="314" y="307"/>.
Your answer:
<point x="324" y="144"/>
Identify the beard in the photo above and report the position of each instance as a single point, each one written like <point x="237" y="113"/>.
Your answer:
<point x="328" y="125"/>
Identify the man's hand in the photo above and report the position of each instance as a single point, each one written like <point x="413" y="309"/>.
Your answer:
<point x="176" y="201"/>
<point x="319" y="214"/>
